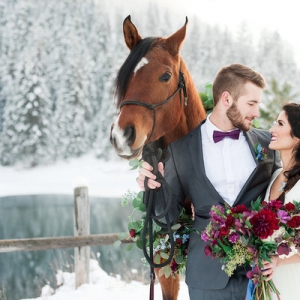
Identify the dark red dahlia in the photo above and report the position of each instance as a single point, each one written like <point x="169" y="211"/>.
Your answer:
<point x="264" y="223"/>
<point x="290" y="206"/>
<point x="294" y="222"/>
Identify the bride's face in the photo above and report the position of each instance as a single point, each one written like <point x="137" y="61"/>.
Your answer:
<point x="281" y="134"/>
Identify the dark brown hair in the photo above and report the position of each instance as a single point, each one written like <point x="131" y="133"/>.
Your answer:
<point x="292" y="111"/>
<point x="232" y="79"/>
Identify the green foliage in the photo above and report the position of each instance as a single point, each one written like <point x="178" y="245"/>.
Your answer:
<point x="276" y="97"/>
<point x="162" y="240"/>
<point x="207" y="98"/>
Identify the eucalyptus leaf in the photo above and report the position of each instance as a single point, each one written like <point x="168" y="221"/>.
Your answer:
<point x="136" y="202"/>
<point x="164" y="255"/>
<point x="122" y="235"/>
<point x="167" y="271"/>
<point x="129" y="247"/>
<point x="179" y="259"/>
<point x="176" y="226"/>
<point x="157" y="259"/>
<point x="117" y="243"/>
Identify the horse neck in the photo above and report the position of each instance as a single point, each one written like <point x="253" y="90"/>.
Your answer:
<point x="192" y="114"/>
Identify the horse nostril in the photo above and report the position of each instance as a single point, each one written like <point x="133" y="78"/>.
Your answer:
<point x="129" y="134"/>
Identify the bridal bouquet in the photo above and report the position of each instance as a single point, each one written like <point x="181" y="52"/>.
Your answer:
<point x="238" y="236"/>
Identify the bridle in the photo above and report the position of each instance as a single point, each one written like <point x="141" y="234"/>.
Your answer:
<point x="181" y="85"/>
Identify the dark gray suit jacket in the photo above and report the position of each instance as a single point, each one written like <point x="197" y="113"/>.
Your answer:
<point x="184" y="171"/>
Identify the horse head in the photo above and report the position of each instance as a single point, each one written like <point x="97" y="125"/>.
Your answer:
<point x="152" y="87"/>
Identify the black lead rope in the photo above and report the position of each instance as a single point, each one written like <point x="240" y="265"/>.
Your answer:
<point x="153" y="156"/>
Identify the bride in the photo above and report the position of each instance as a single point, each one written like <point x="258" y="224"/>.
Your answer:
<point x="285" y="185"/>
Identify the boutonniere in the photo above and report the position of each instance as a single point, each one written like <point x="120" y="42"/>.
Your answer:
<point x="261" y="152"/>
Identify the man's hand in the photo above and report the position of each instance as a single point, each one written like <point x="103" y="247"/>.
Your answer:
<point x="146" y="171"/>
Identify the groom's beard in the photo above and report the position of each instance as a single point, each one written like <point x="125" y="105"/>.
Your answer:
<point x="236" y="118"/>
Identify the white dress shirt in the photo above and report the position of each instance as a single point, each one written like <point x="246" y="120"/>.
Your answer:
<point x="228" y="163"/>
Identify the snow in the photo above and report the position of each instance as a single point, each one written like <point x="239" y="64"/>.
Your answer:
<point x="104" y="179"/>
<point x="102" y="286"/>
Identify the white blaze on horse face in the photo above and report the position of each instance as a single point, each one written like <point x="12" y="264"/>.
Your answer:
<point x="144" y="61"/>
<point x="120" y="140"/>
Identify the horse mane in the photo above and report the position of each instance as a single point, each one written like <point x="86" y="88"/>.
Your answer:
<point x="126" y="70"/>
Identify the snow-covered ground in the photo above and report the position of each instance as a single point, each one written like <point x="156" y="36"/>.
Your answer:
<point x="105" y="179"/>
<point x="102" y="286"/>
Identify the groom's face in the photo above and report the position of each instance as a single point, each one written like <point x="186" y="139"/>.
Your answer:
<point x="245" y="109"/>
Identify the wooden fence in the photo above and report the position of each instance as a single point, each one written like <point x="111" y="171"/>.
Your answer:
<point x="81" y="241"/>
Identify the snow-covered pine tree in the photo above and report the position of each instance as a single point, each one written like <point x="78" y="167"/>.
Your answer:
<point x="26" y="130"/>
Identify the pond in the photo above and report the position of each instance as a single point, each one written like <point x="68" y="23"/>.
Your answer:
<point x="23" y="274"/>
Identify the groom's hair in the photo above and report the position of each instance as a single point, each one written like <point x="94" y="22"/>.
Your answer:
<point x="233" y="78"/>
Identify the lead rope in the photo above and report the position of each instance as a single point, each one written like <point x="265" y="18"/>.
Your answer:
<point x="153" y="156"/>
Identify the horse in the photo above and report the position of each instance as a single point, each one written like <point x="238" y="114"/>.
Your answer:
<point x="158" y="101"/>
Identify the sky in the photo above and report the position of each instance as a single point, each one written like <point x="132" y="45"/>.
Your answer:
<point x="281" y="16"/>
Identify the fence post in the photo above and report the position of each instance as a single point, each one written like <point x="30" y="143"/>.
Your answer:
<point x="81" y="228"/>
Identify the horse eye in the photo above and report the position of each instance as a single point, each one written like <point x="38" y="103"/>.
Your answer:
<point x="165" y="77"/>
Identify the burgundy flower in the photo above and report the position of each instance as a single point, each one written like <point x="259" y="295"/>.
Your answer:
<point x="283" y="248"/>
<point x="229" y="221"/>
<point x="178" y="241"/>
<point x="254" y="274"/>
<point x="290" y="206"/>
<point x="294" y="222"/>
<point x="174" y="266"/>
<point x="207" y="250"/>
<point x="224" y="231"/>
<point x="264" y="223"/>
<point x="274" y="205"/>
<point x="239" y="209"/>
<point x="132" y="233"/>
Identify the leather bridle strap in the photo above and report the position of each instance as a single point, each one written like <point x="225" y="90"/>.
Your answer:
<point x="153" y="156"/>
<point x="181" y="85"/>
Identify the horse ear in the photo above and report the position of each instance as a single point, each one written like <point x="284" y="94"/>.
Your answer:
<point x="131" y="34"/>
<point x="175" y="41"/>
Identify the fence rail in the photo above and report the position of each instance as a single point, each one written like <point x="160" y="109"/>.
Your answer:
<point x="46" y="243"/>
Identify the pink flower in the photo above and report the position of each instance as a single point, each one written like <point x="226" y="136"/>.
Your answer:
<point x="233" y="237"/>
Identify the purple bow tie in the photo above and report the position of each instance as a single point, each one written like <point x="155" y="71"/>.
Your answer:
<point x="219" y="135"/>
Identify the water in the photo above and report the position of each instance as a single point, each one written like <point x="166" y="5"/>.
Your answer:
<point x="22" y="274"/>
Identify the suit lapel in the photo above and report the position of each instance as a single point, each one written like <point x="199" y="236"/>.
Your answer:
<point x="252" y="140"/>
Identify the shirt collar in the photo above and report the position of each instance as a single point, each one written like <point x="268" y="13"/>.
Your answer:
<point x="210" y="127"/>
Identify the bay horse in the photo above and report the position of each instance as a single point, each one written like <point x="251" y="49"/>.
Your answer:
<point x="150" y="87"/>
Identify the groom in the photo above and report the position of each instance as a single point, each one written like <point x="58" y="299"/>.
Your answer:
<point x="216" y="163"/>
